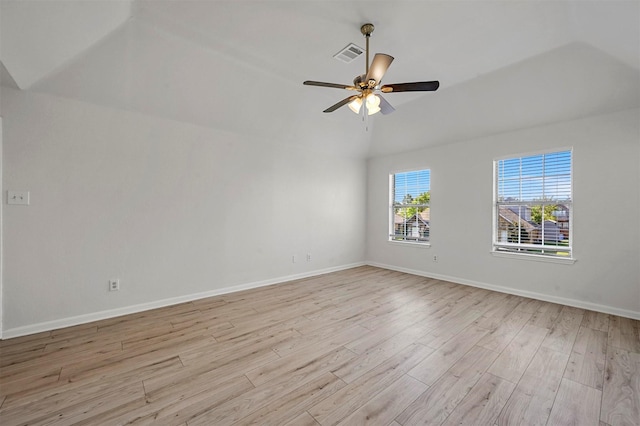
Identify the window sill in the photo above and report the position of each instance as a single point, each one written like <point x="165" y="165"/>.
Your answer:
<point x="409" y="244"/>
<point x="535" y="258"/>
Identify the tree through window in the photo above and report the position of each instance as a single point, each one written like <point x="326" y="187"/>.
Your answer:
<point x="410" y="212"/>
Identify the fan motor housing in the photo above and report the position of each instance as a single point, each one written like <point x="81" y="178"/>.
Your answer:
<point x="361" y="83"/>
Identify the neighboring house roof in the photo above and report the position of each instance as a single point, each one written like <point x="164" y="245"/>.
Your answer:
<point x="513" y="218"/>
<point x="423" y="218"/>
<point x="551" y="230"/>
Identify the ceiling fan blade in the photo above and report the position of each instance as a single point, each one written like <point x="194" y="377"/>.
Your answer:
<point x="341" y="103"/>
<point x="334" y="85"/>
<point x="385" y="107"/>
<point x="378" y="67"/>
<point x="419" y="86"/>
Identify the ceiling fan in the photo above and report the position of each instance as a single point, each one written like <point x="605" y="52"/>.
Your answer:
<point x="368" y="84"/>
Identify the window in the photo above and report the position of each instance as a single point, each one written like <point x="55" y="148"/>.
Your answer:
<point x="409" y="201"/>
<point x="533" y="205"/>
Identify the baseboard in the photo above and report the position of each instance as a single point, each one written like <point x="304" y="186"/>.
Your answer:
<point x="112" y="313"/>
<point x="530" y="294"/>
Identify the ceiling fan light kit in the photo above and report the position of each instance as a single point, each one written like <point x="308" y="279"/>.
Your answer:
<point x="372" y="104"/>
<point x="367" y="84"/>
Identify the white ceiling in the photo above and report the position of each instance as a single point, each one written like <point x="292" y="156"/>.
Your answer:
<point x="239" y="65"/>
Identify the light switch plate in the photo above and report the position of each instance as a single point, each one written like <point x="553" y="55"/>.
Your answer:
<point x="18" y="197"/>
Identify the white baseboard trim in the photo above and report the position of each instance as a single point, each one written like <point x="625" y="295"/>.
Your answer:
<point x="112" y="313"/>
<point x="530" y="294"/>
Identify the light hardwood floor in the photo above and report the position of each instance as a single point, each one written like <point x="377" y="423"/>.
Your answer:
<point x="362" y="346"/>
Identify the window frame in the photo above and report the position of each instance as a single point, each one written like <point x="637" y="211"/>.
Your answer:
<point x="392" y="237"/>
<point x="508" y="249"/>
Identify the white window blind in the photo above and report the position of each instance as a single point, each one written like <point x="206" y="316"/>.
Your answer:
<point x="533" y="208"/>
<point x="409" y="206"/>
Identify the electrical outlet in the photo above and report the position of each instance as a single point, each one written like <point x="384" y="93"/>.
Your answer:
<point x="435" y="259"/>
<point x="114" y="285"/>
<point x="293" y="259"/>
<point x="308" y="257"/>
<point x="18" y="197"/>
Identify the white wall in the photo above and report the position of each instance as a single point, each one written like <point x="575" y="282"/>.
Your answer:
<point x="606" y="222"/>
<point x="172" y="210"/>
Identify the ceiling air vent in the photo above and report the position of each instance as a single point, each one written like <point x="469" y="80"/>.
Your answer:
<point x="349" y="53"/>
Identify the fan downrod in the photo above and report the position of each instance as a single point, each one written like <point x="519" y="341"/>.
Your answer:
<point x="366" y="31"/>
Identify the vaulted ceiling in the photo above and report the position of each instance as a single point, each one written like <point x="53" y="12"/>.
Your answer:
<point x="239" y="65"/>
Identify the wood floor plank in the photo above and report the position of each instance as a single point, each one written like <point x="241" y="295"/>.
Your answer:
<point x="545" y="315"/>
<point x="292" y="404"/>
<point x="436" y="364"/>
<point x="171" y="338"/>
<point x="181" y="405"/>
<point x="531" y="402"/>
<point x="397" y="318"/>
<point x="514" y="360"/>
<point x="94" y="342"/>
<point x="596" y="320"/>
<point x="121" y="414"/>
<point x="221" y="369"/>
<point x="285" y="368"/>
<point x="562" y="333"/>
<point x="296" y="343"/>
<point x="24" y="343"/>
<point x="75" y="409"/>
<point x="64" y="397"/>
<point x="259" y="321"/>
<point x="145" y="318"/>
<point x="372" y="339"/>
<point x="483" y="403"/>
<point x="374" y="356"/>
<point x="264" y="396"/>
<point x="26" y="382"/>
<point x="621" y="391"/>
<point x="51" y="391"/>
<point x="588" y="357"/>
<point x="576" y="404"/>
<point x="401" y="317"/>
<point x="104" y="367"/>
<point x="529" y="305"/>
<point x="501" y="335"/>
<point x="385" y="406"/>
<point x="75" y="330"/>
<point x="10" y="355"/>
<point x="332" y="316"/>
<point x="624" y="333"/>
<point x="56" y="360"/>
<point x="341" y="404"/>
<point x="435" y="404"/>
<point x="449" y="326"/>
<point x="497" y="313"/>
<point x="304" y="419"/>
<point x="240" y="347"/>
